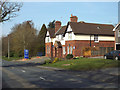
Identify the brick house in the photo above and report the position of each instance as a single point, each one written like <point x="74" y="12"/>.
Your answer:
<point x="75" y="36"/>
<point x="117" y="36"/>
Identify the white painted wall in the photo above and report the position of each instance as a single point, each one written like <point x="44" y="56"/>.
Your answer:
<point x="67" y="34"/>
<point x="106" y="38"/>
<point x="46" y="38"/>
<point x="47" y="33"/>
<point x="87" y="37"/>
<point x="100" y="38"/>
<point x="61" y="40"/>
<point x="78" y="37"/>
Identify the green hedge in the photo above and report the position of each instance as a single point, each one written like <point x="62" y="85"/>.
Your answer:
<point x="69" y="56"/>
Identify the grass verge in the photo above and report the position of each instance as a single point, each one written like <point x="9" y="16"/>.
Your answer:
<point x="11" y="58"/>
<point x="84" y="64"/>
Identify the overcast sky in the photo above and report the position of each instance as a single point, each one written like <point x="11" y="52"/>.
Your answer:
<point x="44" y="12"/>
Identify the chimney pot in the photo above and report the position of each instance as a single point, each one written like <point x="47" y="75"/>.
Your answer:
<point x="73" y="18"/>
<point x="57" y="25"/>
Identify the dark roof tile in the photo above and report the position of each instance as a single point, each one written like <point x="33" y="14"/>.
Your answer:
<point x="51" y="32"/>
<point x="61" y="30"/>
<point x="91" y="28"/>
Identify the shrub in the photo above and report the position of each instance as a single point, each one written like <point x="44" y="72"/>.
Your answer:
<point x="55" y="60"/>
<point x="69" y="56"/>
<point x="47" y="61"/>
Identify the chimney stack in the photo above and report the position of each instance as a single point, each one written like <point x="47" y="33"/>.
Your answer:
<point x="57" y="25"/>
<point x="73" y="18"/>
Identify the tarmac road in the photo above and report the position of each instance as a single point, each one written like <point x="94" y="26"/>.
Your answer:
<point x="24" y="75"/>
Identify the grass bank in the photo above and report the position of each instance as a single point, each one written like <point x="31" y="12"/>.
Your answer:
<point x="84" y="64"/>
<point x="11" y="58"/>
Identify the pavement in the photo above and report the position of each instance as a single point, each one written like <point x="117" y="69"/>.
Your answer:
<point x="97" y="57"/>
<point x="24" y="75"/>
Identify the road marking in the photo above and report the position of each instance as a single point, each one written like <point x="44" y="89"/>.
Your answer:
<point x="23" y="70"/>
<point x="24" y="82"/>
<point x="42" y="78"/>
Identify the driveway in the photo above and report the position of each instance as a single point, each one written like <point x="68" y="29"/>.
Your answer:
<point x="23" y="75"/>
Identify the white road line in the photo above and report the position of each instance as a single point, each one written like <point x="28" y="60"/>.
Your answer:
<point x="23" y="70"/>
<point x="42" y="78"/>
<point x="17" y="78"/>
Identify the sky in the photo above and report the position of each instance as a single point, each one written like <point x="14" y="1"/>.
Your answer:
<point x="44" y="12"/>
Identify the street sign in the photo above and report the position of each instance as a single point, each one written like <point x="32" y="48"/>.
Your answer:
<point x="26" y="54"/>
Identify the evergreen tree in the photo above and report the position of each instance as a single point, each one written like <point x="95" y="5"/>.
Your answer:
<point x="41" y="39"/>
<point x="51" y="24"/>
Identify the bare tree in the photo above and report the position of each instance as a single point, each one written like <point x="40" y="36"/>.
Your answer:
<point x="8" y="10"/>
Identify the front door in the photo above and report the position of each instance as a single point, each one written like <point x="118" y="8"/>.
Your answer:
<point x="55" y="52"/>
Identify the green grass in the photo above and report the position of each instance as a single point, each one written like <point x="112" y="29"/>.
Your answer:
<point x="85" y="64"/>
<point x="12" y="58"/>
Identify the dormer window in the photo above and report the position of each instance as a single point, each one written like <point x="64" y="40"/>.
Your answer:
<point x="98" y="27"/>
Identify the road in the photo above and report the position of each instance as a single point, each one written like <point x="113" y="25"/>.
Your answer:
<point x="24" y="75"/>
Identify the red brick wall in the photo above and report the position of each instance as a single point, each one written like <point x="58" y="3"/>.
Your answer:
<point x="80" y="44"/>
<point x="63" y="55"/>
<point x="57" y="25"/>
<point x="57" y="52"/>
<point x="50" y="49"/>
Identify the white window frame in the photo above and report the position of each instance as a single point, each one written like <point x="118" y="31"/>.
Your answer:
<point x="64" y="50"/>
<point x="68" y="50"/>
<point x="71" y="49"/>
<point x="118" y="33"/>
<point x="96" y="40"/>
<point x="48" y="49"/>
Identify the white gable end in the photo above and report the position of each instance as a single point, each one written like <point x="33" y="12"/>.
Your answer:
<point x="69" y="36"/>
<point x="48" y="39"/>
<point x="69" y="28"/>
<point x="47" y="33"/>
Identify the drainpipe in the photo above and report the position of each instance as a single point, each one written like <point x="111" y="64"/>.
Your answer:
<point x="90" y="40"/>
<point x="8" y="48"/>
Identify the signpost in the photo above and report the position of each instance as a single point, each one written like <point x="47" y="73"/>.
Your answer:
<point x="26" y="54"/>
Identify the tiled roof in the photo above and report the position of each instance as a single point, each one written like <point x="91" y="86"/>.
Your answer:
<point x="51" y="32"/>
<point x="61" y="30"/>
<point x="91" y="28"/>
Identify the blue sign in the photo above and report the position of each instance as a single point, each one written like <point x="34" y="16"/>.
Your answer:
<point x="26" y="54"/>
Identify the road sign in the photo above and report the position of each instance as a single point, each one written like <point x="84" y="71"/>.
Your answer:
<point x="26" y="54"/>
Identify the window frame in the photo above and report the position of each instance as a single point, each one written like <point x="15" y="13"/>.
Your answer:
<point x="64" y="50"/>
<point x="71" y="49"/>
<point x="96" y="38"/>
<point x="68" y="51"/>
<point x="118" y="33"/>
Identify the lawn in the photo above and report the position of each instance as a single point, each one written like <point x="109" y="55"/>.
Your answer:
<point x="12" y="58"/>
<point x="84" y="64"/>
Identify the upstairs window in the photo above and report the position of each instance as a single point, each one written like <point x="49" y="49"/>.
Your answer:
<point x="95" y="38"/>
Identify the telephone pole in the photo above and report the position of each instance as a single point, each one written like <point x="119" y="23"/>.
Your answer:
<point x="8" y="48"/>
